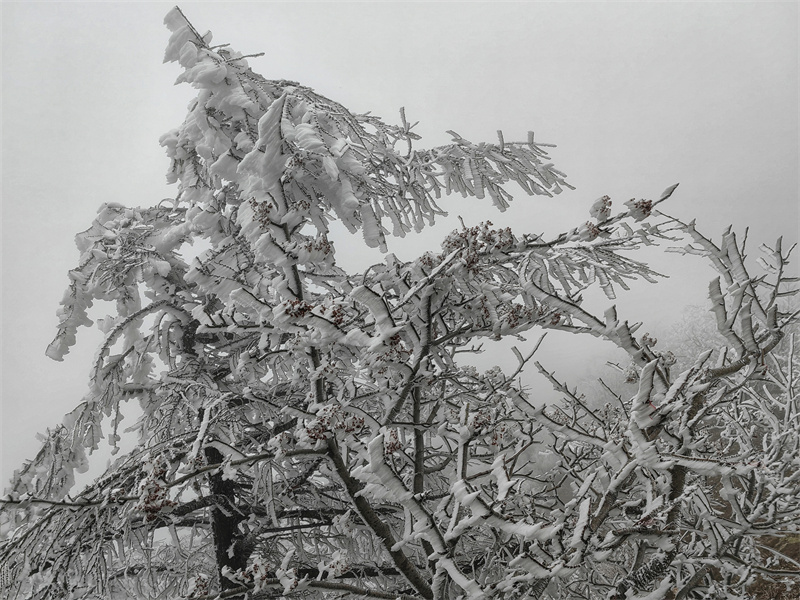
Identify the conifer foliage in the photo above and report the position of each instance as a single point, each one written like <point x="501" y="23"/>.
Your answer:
<point x="302" y="431"/>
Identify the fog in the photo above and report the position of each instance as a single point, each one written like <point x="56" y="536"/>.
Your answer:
<point x="637" y="96"/>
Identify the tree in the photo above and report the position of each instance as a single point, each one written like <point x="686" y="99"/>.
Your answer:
<point x="304" y="431"/>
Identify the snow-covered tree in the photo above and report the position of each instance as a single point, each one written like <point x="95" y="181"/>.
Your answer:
<point x="302" y="431"/>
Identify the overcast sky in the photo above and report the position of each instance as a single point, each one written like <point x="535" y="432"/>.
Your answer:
<point x="636" y="95"/>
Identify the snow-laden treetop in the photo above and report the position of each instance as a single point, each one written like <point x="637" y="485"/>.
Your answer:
<point x="303" y="430"/>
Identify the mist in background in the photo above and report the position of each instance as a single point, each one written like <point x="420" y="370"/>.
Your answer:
<point x="636" y="95"/>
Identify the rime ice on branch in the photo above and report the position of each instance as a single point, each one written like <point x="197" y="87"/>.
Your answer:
<point x="306" y="431"/>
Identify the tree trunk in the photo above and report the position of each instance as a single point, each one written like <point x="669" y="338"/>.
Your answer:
<point x="225" y="518"/>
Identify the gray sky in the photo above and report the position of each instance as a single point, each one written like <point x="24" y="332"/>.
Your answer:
<point x="637" y="96"/>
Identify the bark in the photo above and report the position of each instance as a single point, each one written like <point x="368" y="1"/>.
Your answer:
<point x="419" y="462"/>
<point x="229" y="549"/>
<point x="376" y="524"/>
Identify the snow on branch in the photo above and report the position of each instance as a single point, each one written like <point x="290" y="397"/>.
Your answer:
<point x="296" y="429"/>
